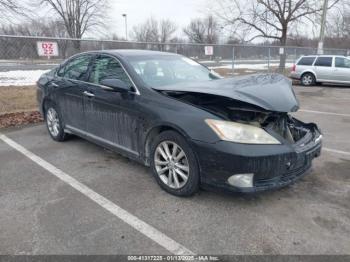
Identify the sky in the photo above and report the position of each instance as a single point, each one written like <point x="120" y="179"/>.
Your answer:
<point x="179" y="11"/>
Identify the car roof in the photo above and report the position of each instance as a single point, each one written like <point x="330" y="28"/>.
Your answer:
<point x="321" y="55"/>
<point x="134" y="52"/>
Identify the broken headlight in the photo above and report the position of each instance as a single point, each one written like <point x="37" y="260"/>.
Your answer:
<point x="241" y="133"/>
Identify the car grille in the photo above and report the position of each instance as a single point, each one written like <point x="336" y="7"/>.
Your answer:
<point x="285" y="178"/>
<point x="303" y="164"/>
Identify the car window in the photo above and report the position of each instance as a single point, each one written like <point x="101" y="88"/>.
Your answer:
<point x="163" y="70"/>
<point x="76" y="69"/>
<point x="324" y="61"/>
<point x="106" y="67"/>
<point x="309" y="60"/>
<point x="342" y="62"/>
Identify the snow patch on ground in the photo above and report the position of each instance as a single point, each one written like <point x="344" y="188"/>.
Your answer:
<point x="249" y="66"/>
<point x="20" y="77"/>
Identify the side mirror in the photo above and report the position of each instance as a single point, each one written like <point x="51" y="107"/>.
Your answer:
<point x="115" y="85"/>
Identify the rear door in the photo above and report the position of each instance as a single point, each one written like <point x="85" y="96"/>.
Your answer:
<point x="70" y="97"/>
<point x="323" y="68"/>
<point x="342" y="69"/>
<point x="112" y="117"/>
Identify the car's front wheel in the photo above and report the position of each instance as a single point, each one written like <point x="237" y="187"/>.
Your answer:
<point x="308" y="79"/>
<point x="54" y="123"/>
<point x="174" y="164"/>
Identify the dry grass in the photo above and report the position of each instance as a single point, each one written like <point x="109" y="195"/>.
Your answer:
<point x="19" y="119"/>
<point x="17" y="99"/>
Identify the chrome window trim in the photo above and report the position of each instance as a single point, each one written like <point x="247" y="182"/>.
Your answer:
<point x="137" y="92"/>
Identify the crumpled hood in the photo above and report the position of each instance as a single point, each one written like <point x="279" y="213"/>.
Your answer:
<point x="272" y="92"/>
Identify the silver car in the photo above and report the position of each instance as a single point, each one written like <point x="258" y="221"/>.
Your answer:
<point x="322" y="68"/>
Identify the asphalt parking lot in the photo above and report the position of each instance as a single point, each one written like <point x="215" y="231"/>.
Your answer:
<point x="42" y="214"/>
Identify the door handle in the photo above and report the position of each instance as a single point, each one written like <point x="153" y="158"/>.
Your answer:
<point x="87" y="93"/>
<point x="53" y="84"/>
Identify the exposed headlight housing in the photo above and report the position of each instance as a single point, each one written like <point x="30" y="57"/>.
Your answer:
<point x="241" y="133"/>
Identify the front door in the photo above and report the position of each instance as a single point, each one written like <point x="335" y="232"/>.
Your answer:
<point x="112" y="117"/>
<point x="342" y="69"/>
<point x="71" y="91"/>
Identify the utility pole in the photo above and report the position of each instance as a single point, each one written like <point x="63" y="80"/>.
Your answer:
<point x="126" y="25"/>
<point x="323" y="25"/>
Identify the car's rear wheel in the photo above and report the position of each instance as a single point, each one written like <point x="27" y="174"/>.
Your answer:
<point x="54" y="123"/>
<point x="174" y="164"/>
<point x="308" y="79"/>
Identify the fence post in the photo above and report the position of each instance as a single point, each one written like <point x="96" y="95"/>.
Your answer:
<point x="268" y="59"/>
<point x="233" y="60"/>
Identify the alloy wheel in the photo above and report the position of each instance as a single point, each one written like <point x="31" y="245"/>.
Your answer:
<point x="307" y="80"/>
<point x="171" y="164"/>
<point x="53" y="121"/>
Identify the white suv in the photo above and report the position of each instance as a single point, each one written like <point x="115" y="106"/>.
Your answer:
<point x="318" y="69"/>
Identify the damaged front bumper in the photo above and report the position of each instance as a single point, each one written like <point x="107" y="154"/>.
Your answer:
<point x="272" y="166"/>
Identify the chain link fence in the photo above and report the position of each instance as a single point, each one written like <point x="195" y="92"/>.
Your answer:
<point x="20" y="63"/>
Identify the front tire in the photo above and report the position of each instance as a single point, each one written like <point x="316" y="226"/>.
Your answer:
<point x="54" y="123"/>
<point x="308" y="79"/>
<point x="174" y="164"/>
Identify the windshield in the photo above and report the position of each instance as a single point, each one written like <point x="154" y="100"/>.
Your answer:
<point x="167" y="70"/>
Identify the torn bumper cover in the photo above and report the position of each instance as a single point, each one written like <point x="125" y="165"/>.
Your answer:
<point x="270" y="166"/>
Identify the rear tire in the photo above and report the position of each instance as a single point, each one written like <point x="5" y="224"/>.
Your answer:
<point x="54" y="123"/>
<point x="308" y="79"/>
<point x="174" y="164"/>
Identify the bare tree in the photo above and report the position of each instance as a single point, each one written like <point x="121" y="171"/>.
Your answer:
<point x="22" y="47"/>
<point x="154" y="31"/>
<point x="9" y="5"/>
<point x="167" y="29"/>
<point x="147" y="31"/>
<point x="195" y="31"/>
<point x="38" y="27"/>
<point x="10" y="8"/>
<point x="203" y="30"/>
<point x="78" y="16"/>
<point x="268" y="18"/>
<point x="339" y="22"/>
<point x="212" y="28"/>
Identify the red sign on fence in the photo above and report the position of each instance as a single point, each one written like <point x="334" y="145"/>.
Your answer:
<point x="209" y="50"/>
<point x="47" y="48"/>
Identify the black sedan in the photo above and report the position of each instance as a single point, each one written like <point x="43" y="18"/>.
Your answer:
<point x="191" y="126"/>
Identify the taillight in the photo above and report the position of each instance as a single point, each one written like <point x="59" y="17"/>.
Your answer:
<point x="293" y="68"/>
